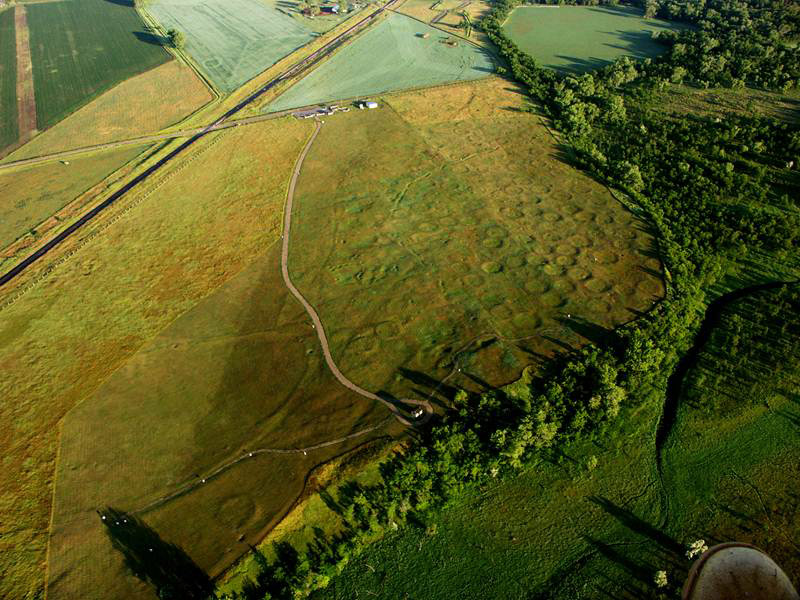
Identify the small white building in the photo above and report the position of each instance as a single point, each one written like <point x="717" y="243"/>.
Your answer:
<point x="372" y="104"/>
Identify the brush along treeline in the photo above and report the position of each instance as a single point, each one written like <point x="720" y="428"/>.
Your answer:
<point x="715" y="191"/>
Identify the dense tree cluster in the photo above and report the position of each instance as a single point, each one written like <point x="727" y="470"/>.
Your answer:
<point x="714" y="190"/>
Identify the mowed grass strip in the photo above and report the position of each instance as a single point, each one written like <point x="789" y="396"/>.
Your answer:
<point x="217" y="209"/>
<point x="392" y="55"/>
<point x="141" y="105"/>
<point x="29" y="196"/>
<point x="81" y="48"/>
<point x="442" y="231"/>
<point x="9" y="130"/>
<point x="232" y="42"/>
<point x="583" y="38"/>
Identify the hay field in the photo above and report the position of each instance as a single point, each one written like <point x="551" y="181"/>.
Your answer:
<point x="30" y="195"/>
<point x="583" y="38"/>
<point x="212" y="213"/>
<point x="391" y="55"/>
<point x="443" y="231"/>
<point x="9" y="130"/>
<point x="234" y="42"/>
<point x="428" y="10"/>
<point x="138" y="106"/>
<point x="81" y="48"/>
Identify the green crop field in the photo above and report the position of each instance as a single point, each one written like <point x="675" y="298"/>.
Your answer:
<point x="81" y="48"/>
<point x="8" y="80"/>
<point x="425" y="248"/>
<point x="234" y="41"/>
<point x="583" y="38"/>
<point x="31" y="195"/>
<point x="392" y="55"/>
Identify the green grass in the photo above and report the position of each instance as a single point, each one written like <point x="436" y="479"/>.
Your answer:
<point x="9" y="130"/>
<point x="427" y="242"/>
<point x="559" y="530"/>
<point x="81" y="48"/>
<point x="234" y="41"/>
<point x="31" y="195"/>
<point x="735" y="443"/>
<point x="391" y="55"/>
<point x="583" y="38"/>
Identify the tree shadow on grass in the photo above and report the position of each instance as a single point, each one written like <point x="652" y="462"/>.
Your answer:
<point x="637" y="525"/>
<point x="149" y="37"/>
<point x="163" y="565"/>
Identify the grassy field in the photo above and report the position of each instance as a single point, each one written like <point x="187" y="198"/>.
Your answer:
<point x="232" y="42"/>
<point x="427" y="243"/>
<point x="31" y="195"/>
<point x="582" y="38"/>
<point x="8" y="80"/>
<point x="240" y="371"/>
<point x="141" y="105"/>
<point x="719" y="102"/>
<point x="562" y="529"/>
<point x="211" y="214"/>
<point x="391" y="55"/>
<point x="732" y="458"/>
<point x="81" y="49"/>
<point x="428" y="10"/>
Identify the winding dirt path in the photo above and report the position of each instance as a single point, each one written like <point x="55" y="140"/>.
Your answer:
<point x="323" y="338"/>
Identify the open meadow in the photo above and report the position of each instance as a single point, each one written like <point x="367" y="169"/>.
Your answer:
<point x="138" y="106"/>
<point x="596" y="519"/>
<point x="81" y="48"/>
<point x="8" y="79"/>
<point x="427" y="244"/>
<point x="392" y="55"/>
<point x="140" y="266"/>
<point x="234" y="41"/>
<point x="30" y="195"/>
<point x="582" y="38"/>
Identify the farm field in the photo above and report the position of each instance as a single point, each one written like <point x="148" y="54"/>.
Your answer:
<point x="81" y="323"/>
<point x="429" y="10"/>
<point x="440" y="249"/>
<point x="138" y="106"/>
<point x="391" y="55"/>
<point x="730" y="467"/>
<point x="9" y="130"/>
<point x="81" y="49"/>
<point x="582" y="38"/>
<point x="31" y="195"/>
<point x="233" y="42"/>
<point x="720" y="102"/>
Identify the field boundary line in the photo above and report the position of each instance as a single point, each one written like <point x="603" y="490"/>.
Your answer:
<point x="101" y="227"/>
<point x="26" y="95"/>
<point x="195" y="483"/>
<point x="52" y="509"/>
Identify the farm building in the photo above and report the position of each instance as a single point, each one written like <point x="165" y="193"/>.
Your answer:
<point x="329" y="9"/>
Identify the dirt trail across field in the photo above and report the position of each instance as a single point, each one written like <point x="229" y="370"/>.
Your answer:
<point x="26" y="100"/>
<point x="323" y="339"/>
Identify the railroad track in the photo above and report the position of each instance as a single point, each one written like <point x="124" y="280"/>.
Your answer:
<point x="293" y="71"/>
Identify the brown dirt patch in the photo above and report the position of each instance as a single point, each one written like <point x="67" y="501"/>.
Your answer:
<point x="26" y="99"/>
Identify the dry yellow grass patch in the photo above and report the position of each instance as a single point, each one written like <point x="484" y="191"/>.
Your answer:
<point x="141" y="105"/>
<point x="67" y="334"/>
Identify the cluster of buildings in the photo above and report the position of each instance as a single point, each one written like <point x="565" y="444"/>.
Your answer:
<point x="333" y="109"/>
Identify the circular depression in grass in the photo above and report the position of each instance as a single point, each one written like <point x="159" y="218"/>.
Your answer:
<point x="537" y="285"/>
<point x="578" y="274"/>
<point x="597" y="286"/>
<point x="565" y="261"/>
<point x="553" y="269"/>
<point x="492" y="242"/>
<point x="526" y="322"/>
<point x="514" y="262"/>
<point x="492" y="267"/>
<point x="552" y="299"/>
